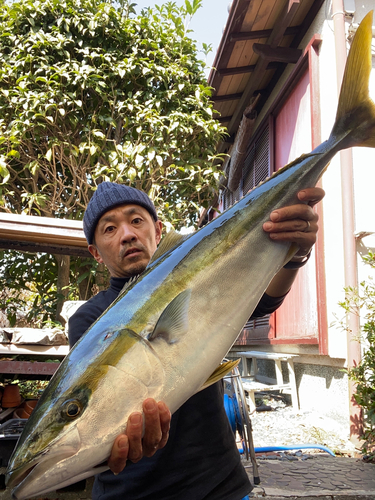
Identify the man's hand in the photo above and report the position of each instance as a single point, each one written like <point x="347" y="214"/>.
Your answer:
<point x="297" y="223"/>
<point x="131" y="445"/>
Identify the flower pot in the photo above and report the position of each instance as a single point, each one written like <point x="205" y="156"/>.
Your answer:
<point x="11" y="397"/>
<point x="30" y="405"/>
<point x="20" y="413"/>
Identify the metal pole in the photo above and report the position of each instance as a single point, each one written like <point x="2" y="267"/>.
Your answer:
<point x="349" y="242"/>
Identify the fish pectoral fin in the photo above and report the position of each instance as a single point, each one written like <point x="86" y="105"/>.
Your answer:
<point x="170" y="240"/>
<point x="173" y="322"/>
<point x="221" y="371"/>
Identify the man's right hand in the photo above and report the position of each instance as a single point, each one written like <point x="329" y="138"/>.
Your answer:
<point x="131" y="445"/>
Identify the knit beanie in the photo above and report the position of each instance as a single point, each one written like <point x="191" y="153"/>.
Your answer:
<point x="110" y="195"/>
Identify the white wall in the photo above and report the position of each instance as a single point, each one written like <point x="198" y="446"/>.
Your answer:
<point x="363" y="185"/>
<point x="332" y="223"/>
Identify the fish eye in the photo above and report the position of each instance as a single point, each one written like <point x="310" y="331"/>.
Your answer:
<point x="71" y="409"/>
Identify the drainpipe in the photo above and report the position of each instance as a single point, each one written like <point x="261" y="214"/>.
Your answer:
<point x="350" y="253"/>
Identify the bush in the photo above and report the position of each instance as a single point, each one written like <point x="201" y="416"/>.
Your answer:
<point x="362" y="300"/>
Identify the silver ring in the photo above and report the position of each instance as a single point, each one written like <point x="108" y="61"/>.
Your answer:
<point x="306" y="230"/>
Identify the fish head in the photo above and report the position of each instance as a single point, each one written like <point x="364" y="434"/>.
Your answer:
<point x="61" y="441"/>
<point x="52" y="436"/>
<point x="70" y="433"/>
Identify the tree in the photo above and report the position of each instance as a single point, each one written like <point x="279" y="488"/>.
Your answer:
<point x="89" y="92"/>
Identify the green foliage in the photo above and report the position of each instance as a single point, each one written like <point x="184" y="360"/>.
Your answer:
<point x="28" y="286"/>
<point x="88" y="93"/>
<point x="356" y="301"/>
<point x="29" y="389"/>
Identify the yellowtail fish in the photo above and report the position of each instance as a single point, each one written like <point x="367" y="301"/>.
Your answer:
<point x="169" y="330"/>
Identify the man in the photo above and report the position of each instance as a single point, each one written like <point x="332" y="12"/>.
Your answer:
<point x="192" y="456"/>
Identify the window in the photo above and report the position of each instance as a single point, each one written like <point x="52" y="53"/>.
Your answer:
<point x="256" y="168"/>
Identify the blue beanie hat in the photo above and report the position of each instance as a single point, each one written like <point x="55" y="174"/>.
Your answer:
<point x="110" y="195"/>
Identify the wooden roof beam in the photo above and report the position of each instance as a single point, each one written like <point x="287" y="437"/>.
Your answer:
<point x="255" y="35"/>
<point x="224" y="119"/>
<point x="30" y="233"/>
<point x="279" y="54"/>
<point x="226" y="97"/>
<point x="244" y="69"/>
<point x="33" y="247"/>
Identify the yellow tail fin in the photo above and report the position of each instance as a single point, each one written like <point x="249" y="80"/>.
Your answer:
<point x="356" y="111"/>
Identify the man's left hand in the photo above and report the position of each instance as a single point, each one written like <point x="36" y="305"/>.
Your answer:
<point x="297" y="223"/>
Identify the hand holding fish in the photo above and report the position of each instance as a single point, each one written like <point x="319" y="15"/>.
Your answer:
<point x="131" y="446"/>
<point x="297" y="223"/>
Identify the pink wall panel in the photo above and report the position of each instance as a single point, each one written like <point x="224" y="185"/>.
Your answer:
<point x="297" y="318"/>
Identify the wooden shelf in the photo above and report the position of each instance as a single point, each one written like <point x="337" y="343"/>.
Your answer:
<point x="32" y="349"/>
<point x="28" y="367"/>
<point x="31" y="367"/>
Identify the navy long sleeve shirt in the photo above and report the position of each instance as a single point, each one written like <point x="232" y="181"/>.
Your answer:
<point x="200" y="460"/>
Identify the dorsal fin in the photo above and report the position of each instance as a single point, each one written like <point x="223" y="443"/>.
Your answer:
<point x="173" y="322"/>
<point x="170" y="240"/>
<point x="129" y="283"/>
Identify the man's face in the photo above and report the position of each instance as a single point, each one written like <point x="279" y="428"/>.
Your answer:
<point x="125" y="239"/>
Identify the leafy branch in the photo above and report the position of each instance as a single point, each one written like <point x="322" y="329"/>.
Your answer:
<point x="361" y="301"/>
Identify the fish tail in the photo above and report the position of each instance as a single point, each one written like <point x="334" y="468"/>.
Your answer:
<point x="355" y="119"/>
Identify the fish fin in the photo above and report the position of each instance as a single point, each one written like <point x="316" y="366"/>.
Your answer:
<point x="170" y="240"/>
<point x="129" y="283"/>
<point x="221" y="371"/>
<point x="356" y="111"/>
<point x="300" y="159"/>
<point x="173" y="322"/>
<point x="291" y="252"/>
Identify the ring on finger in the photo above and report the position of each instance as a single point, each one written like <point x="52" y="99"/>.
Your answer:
<point x="306" y="230"/>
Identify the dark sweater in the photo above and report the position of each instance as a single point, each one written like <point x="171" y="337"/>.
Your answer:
<point x="200" y="460"/>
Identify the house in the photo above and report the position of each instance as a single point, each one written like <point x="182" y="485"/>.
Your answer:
<point x="291" y="54"/>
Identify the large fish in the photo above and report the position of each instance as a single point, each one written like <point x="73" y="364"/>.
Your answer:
<point x="169" y="330"/>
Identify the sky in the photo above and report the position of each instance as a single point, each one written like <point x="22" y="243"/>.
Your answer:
<point x="207" y="24"/>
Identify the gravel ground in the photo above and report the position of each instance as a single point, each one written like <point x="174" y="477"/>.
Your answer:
<point x="277" y="424"/>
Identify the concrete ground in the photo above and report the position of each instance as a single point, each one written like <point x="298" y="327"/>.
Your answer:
<point x="287" y="477"/>
<point x="313" y="476"/>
